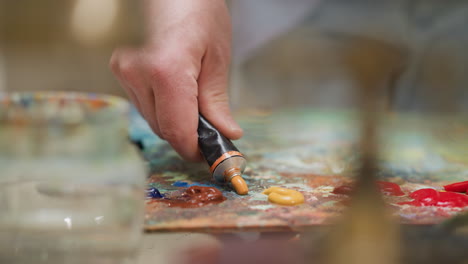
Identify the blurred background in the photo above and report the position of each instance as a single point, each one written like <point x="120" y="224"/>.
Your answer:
<point x="304" y="52"/>
<point x="65" y="45"/>
<point x="318" y="53"/>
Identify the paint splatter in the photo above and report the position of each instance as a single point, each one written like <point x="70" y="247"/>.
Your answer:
<point x="431" y="197"/>
<point x="457" y="187"/>
<point x="181" y="184"/>
<point x="386" y="188"/>
<point x="390" y="188"/>
<point x="343" y="189"/>
<point x="187" y="184"/>
<point x="195" y="196"/>
<point x="154" y="193"/>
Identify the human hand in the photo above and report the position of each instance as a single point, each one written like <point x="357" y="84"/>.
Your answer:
<point x="180" y="71"/>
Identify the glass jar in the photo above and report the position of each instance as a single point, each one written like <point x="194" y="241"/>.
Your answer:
<point x="71" y="184"/>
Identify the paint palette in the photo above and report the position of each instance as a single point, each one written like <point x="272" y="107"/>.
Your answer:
<point x="311" y="151"/>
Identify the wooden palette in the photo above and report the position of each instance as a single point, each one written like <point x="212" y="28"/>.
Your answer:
<point x="310" y="151"/>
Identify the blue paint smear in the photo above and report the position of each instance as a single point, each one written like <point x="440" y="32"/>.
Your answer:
<point x="140" y="131"/>
<point x="180" y="184"/>
<point x="154" y="193"/>
<point x="186" y="184"/>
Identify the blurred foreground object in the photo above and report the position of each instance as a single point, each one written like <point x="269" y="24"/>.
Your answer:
<point x="71" y="186"/>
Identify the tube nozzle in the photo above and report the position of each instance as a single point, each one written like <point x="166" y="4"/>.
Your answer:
<point x="234" y="176"/>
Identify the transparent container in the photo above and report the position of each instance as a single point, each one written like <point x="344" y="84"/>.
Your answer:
<point x="71" y="185"/>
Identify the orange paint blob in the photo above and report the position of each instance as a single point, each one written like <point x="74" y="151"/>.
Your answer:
<point x="284" y="196"/>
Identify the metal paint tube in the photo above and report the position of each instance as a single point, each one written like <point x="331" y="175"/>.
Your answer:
<point x="226" y="162"/>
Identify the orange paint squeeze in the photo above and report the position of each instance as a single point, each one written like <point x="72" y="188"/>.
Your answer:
<point x="284" y="196"/>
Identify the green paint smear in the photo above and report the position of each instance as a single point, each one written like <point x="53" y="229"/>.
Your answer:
<point x="246" y="213"/>
<point x="262" y="206"/>
<point x="328" y="204"/>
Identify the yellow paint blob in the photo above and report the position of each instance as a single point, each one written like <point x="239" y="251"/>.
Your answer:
<point x="284" y="196"/>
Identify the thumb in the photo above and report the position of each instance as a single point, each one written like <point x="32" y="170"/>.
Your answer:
<point x="213" y="102"/>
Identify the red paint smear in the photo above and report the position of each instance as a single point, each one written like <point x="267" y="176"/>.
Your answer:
<point x="387" y="188"/>
<point x="390" y="188"/>
<point x="195" y="196"/>
<point x="344" y="189"/>
<point x="431" y="197"/>
<point x="457" y="187"/>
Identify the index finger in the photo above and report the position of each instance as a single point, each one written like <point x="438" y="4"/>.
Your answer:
<point x="176" y="106"/>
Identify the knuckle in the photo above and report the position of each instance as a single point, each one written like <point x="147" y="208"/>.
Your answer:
<point x="170" y="66"/>
<point x="218" y="96"/>
<point x="221" y="104"/>
<point x="122" y="63"/>
<point x="126" y="70"/>
<point x="162" y="66"/>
